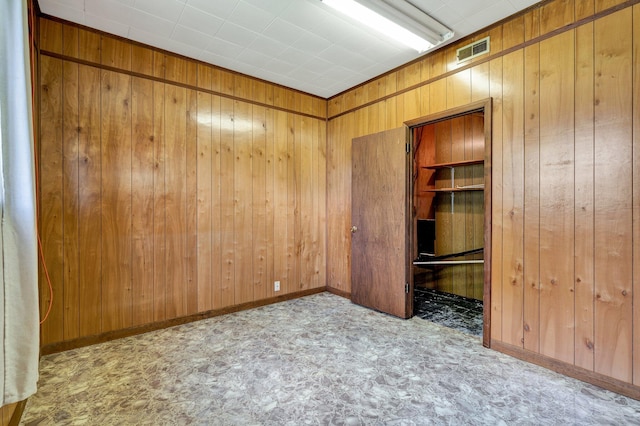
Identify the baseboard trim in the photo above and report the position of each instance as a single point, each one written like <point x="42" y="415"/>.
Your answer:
<point x="345" y="294"/>
<point x="17" y="413"/>
<point x="118" y="334"/>
<point x="605" y="382"/>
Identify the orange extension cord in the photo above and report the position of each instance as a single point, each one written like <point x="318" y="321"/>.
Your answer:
<point x="40" y="251"/>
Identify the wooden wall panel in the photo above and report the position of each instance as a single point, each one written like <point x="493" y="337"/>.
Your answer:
<point x="304" y="130"/>
<point x="531" y="277"/>
<point x="320" y="185"/>
<point x="51" y="201"/>
<point x="613" y="202"/>
<point x="513" y="197"/>
<point x="70" y="41"/>
<point x="88" y="45"/>
<point x="205" y="208"/>
<point x="70" y="189"/>
<point x="227" y="184"/>
<point x="293" y="205"/>
<point x="495" y="90"/>
<point x="480" y="82"/>
<point x="243" y="192"/>
<point x="191" y="196"/>
<point x="142" y="170"/>
<point x="218" y="297"/>
<point x="260" y="255"/>
<point x="51" y="38"/>
<point x="89" y="202"/>
<point x="175" y="110"/>
<point x="584" y="203"/>
<point x="556" y="14"/>
<point x="159" y="204"/>
<point x="269" y="197"/>
<point x="636" y="198"/>
<point x="280" y="198"/>
<point x="116" y="200"/>
<point x="115" y="53"/>
<point x="557" y="169"/>
<point x="458" y="90"/>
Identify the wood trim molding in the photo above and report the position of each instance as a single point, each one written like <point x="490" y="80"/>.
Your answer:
<point x="337" y="292"/>
<point x="486" y="106"/>
<point x="118" y="334"/>
<point x="175" y="83"/>
<point x="605" y="382"/>
<point x="40" y="14"/>
<point x="17" y="413"/>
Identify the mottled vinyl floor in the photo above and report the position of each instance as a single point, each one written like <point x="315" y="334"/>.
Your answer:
<point x="318" y="360"/>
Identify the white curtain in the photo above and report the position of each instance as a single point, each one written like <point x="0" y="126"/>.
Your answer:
<point x="19" y="328"/>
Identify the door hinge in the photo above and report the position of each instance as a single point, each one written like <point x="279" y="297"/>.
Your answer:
<point x="406" y="288"/>
<point x="408" y="147"/>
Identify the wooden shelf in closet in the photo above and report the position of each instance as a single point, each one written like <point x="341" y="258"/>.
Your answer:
<point x="460" y="189"/>
<point x="453" y="164"/>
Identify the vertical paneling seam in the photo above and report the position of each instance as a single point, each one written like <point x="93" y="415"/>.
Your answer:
<point x="131" y="233"/>
<point x="63" y="192"/>
<point x="593" y="196"/>
<point x="100" y="74"/>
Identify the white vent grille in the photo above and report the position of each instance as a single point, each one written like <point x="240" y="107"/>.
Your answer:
<point x="472" y="50"/>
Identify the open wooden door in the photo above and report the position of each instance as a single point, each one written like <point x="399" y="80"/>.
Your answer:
<point x="380" y="273"/>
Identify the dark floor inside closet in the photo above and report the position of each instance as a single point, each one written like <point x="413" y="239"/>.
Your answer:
<point x="449" y="310"/>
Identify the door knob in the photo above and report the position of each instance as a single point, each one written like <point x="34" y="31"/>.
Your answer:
<point x="354" y="229"/>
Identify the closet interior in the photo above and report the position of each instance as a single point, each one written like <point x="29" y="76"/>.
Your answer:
<point x="448" y="252"/>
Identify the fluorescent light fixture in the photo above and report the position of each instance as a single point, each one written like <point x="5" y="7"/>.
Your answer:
<point x="397" y="19"/>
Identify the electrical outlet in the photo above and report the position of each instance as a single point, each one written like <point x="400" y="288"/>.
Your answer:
<point x="276" y="286"/>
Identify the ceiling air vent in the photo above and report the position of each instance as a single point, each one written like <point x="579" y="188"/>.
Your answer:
<point x="472" y="50"/>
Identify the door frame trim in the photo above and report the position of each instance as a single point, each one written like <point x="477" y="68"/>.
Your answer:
<point x="484" y="106"/>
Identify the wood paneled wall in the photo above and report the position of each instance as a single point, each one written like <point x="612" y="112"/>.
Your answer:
<point x="565" y="83"/>
<point x="169" y="187"/>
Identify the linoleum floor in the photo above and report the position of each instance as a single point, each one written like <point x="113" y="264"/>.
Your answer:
<point x="317" y="360"/>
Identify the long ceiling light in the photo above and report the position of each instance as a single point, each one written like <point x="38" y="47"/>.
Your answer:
<point x="397" y="19"/>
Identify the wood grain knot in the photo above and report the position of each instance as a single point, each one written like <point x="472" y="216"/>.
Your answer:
<point x="526" y="328"/>
<point x="578" y="280"/>
<point x="79" y="129"/>
<point x="598" y="296"/>
<point x="151" y="138"/>
<point x="553" y="281"/>
<point x="108" y="87"/>
<point x="589" y="344"/>
<point x="624" y="292"/>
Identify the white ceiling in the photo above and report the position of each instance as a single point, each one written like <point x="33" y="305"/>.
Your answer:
<point x="301" y="44"/>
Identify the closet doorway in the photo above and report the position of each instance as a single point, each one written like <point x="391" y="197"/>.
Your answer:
<point x="451" y="212"/>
